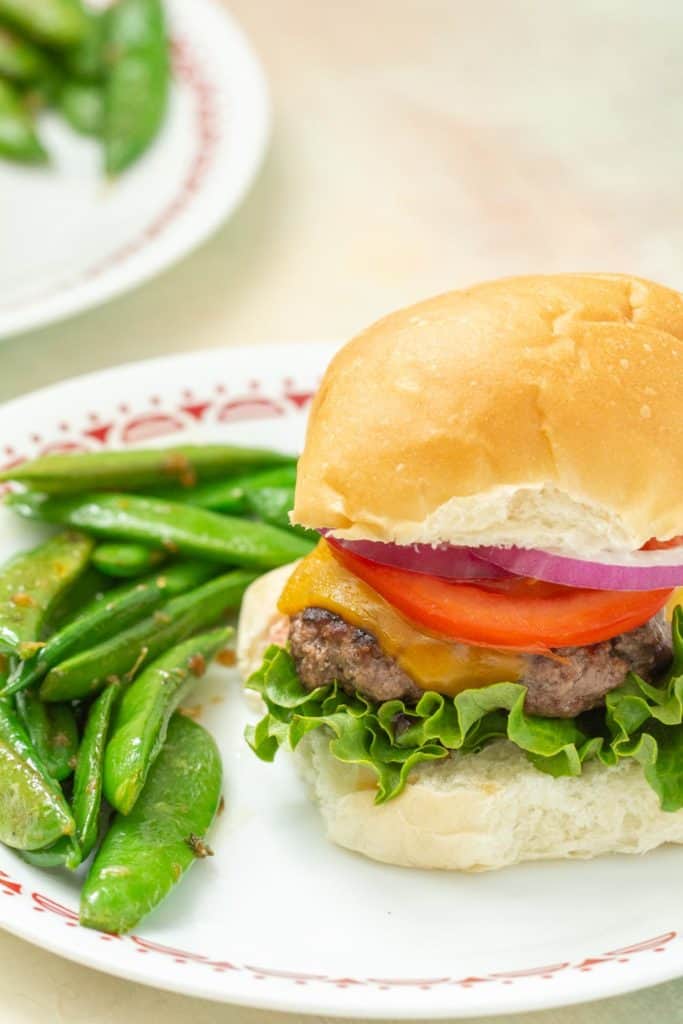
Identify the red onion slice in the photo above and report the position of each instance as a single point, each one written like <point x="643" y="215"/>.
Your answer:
<point x="447" y="561"/>
<point x="641" y="570"/>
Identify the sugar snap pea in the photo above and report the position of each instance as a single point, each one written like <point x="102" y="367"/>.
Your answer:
<point x="268" y="495"/>
<point x="65" y="853"/>
<point x="230" y="495"/>
<point x="102" y="619"/>
<point x="52" y="22"/>
<point x="122" y="656"/>
<point x="87" y="60"/>
<point x="53" y="732"/>
<point x="177" y="527"/>
<point x="32" y="582"/>
<point x="44" y="92"/>
<point x="144" y="712"/>
<point x="89" y="588"/>
<point x="139" y="468"/>
<point x="87" y="793"/>
<point x="144" y="854"/>
<point x="124" y="560"/>
<point x="33" y="811"/>
<point x="18" y="138"/>
<point x="138" y="81"/>
<point x="273" y="505"/>
<point x="82" y="104"/>
<point x="20" y="61"/>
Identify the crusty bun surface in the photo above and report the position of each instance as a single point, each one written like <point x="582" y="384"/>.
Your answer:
<point x="538" y="411"/>
<point x="471" y="812"/>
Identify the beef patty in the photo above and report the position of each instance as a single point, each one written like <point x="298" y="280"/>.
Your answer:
<point x="326" y="649"/>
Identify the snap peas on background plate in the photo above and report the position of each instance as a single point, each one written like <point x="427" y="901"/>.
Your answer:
<point x="107" y="72"/>
<point x="18" y="138"/>
<point x="20" y="60"/>
<point x="82" y="104"/>
<point x="92" y="671"/>
<point x="57" y="23"/>
<point x="137" y="85"/>
<point x="86" y="61"/>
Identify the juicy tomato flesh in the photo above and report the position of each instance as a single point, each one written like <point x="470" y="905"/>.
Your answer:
<point x="663" y="545"/>
<point x="514" y="614"/>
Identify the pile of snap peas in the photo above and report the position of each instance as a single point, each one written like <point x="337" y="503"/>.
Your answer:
<point x="104" y="629"/>
<point x="107" y="72"/>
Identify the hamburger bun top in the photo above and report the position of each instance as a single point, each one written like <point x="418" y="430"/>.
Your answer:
<point x="542" y="411"/>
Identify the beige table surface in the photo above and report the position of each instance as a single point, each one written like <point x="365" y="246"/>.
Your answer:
<point x="418" y="145"/>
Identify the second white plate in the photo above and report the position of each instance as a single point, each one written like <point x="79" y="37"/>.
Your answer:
<point x="71" y="240"/>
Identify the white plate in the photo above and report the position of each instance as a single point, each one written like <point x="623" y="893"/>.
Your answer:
<point x="71" y="240"/>
<point x="279" y="918"/>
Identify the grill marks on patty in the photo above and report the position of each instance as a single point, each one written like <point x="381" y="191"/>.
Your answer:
<point x="326" y="649"/>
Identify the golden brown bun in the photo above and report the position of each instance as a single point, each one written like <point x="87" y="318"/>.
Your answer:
<point x="541" y="411"/>
<point x="471" y="812"/>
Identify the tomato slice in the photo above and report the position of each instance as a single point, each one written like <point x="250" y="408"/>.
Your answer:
<point x="517" y="614"/>
<point x="663" y="545"/>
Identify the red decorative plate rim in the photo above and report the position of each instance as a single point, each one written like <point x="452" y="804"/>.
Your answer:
<point x="544" y="972"/>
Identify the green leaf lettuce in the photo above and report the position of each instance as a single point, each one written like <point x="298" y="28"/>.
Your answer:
<point x="639" y="721"/>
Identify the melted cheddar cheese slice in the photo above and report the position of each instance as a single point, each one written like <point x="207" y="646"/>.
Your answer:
<point x="319" y="581"/>
<point x="675" y="599"/>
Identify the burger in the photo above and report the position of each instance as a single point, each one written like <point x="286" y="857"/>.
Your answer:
<point x="481" y="661"/>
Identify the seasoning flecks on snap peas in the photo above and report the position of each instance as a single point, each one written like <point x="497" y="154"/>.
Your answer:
<point x="123" y="656"/>
<point x="80" y="656"/>
<point x="139" y="468"/>
<point x="31" y="583"/>
<point x="53" y="732"/>
<point x="33" y="811"/>
<point x="147" y="852"/>
<point x="105" y="618"/>
<point x="144" y="712"/>
<point x="177" y="527"/>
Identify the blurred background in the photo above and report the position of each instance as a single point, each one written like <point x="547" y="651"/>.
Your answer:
<point x="418" y="145"/>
